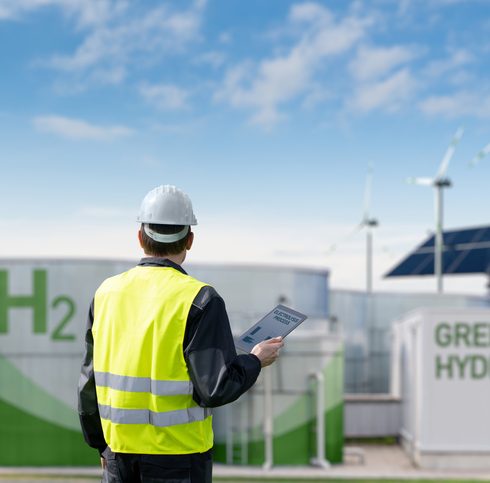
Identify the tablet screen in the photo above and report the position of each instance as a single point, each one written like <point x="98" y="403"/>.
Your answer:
<point x="280" y="321"/>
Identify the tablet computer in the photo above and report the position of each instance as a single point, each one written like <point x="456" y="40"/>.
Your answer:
<point x="280" y="321"/>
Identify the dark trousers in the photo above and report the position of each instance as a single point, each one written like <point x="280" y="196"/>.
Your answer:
<point x="148" y="468"/>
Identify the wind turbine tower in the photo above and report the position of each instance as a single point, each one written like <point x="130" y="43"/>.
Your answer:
<point x="369" y="223"/>
<point x="439" y="182"/>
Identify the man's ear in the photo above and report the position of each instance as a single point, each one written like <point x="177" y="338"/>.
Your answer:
<point x="190" y="241"/>
<point x="140" y="238"/>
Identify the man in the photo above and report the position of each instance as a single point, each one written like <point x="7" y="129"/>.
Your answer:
<point x="159" y="354"/>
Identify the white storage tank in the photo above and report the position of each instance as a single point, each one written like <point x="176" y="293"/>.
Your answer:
<point x="43" y="309"/>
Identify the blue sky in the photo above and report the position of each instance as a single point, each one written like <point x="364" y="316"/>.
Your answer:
<point x="266" y="112"/>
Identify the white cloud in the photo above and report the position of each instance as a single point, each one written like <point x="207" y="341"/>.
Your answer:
<point x="463" y="103"/>
<point x="263" y="87"/>
<point x="461" y="78"/>
<point x="159" y="30"/>
<point x="115" y="33"/>
<point x="388" y="94"/>
<point x="310" y="12"/>
<point x="443" y="3"/>
<point x="213" y="58"/>
<point x="374" y="62"/>
<point x="183" y="129"/>
<point x="78" y="129"/>
<point x="12" y="9"/>
<point x="403" y="7"/>
<point x="114" y="75"/>
<point x="86" y="13"/>
<point x="383" y="79"/>
<point x="225" y="38"/>
<point x="457" y="59"/>
<point x="165" y="96"/>
<point x="317" y="94"/>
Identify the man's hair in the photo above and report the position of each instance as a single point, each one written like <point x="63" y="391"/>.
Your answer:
<point x="159" y="249"/>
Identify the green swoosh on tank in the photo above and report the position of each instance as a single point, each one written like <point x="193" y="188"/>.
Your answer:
<point x="302" y="409"/>
<point x="293" y="440"/>
<point x="21" y="392"/>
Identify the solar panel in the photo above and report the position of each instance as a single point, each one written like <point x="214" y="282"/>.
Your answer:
<point x="465" y="251"/>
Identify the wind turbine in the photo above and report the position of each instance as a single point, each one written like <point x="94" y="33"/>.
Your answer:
<point x="439" y="182"/>
<point x="367" y="222"/>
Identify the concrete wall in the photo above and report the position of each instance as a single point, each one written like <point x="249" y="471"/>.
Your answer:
<point x="371" y="415"/>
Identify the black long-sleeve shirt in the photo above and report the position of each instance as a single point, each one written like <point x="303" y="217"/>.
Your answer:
<point x="218" y="374"/>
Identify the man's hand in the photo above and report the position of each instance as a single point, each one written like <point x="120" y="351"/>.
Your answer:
<point x="268" y="350"/>
<point x="103" y="463"/>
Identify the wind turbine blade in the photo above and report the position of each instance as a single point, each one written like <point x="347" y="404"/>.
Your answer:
<point x="368" y="192"/>
<point x="480" y="155"/>
<point x="345" y="238"/>
<point x="421" y="181"/>
<point x="449" y="153"/>
<point x="330" y="249"/>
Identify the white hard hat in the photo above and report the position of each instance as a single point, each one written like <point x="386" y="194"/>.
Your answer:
<point x="167" y="205"/>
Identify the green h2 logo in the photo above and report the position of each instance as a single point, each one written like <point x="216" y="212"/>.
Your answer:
<point x="38" y="302"/>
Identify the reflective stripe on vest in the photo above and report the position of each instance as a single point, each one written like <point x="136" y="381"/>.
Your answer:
<point x="144" y="416"/>
<point x="143" y="384"/>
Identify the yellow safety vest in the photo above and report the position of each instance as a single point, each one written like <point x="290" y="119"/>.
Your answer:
<point x="143" y="386"/>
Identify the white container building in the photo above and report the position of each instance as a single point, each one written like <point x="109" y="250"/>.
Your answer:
<point x="441" y="372"/>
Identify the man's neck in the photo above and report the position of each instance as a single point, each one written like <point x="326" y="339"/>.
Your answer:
<point x="178" y="258"/>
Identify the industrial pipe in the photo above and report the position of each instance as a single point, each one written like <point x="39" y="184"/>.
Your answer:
<point x="268" y="421"/>
<point x="320" y="460"/>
